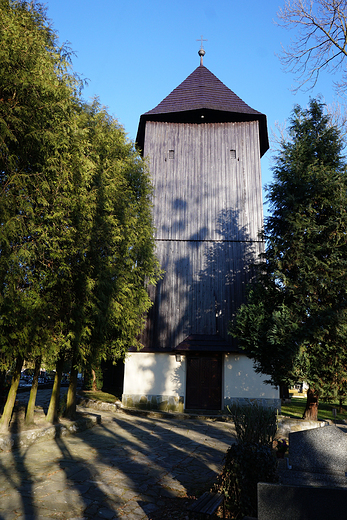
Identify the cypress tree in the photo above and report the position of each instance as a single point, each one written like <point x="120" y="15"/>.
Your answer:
<point x="294" y="324"/>
<point x="76" y="234"/>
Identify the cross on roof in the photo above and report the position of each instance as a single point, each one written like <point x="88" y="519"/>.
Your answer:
<point x="202" y="40"/>
<point x="201" y="51"/>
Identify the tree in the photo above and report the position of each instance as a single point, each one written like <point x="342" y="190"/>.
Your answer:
<point x="321" y="42"/>
<point x="115" y="258"/>
<point x="38" y="94"/>
<point x="76" y="235"/>
<point x="294" y="324"/>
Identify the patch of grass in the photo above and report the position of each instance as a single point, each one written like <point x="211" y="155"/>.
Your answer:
<point x="296" y="408"/>
<point x="99" y="396"/>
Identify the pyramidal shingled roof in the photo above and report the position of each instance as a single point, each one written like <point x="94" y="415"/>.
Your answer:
<point x="202" y="89"/>
<point x="203" y="98"/>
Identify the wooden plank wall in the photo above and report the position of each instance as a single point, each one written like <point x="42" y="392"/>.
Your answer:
<point x="207" y="213"/>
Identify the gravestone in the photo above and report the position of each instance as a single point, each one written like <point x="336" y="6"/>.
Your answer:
<point x="278" y="502"/>
<point x="322" y="450"/>
<point x="313" y="486"/>
<point x="317" y="457"/>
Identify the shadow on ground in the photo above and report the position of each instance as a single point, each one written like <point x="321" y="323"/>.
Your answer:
<point x="129" y="467"/>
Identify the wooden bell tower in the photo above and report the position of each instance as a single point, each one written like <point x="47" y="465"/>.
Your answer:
<point x="204" y="146"/>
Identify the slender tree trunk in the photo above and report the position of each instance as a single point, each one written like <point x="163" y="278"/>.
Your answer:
<point x="94" y="386"/>
<point x="311" y="410"/>
<point x="70" y="412"/>
<point x="11" y="398"/>
<point x="52" y="414"/>
<point x="340" y="405"/>
<point x="29" y="416"/>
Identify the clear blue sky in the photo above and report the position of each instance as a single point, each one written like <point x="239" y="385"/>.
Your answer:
<point x="134" y="53"/>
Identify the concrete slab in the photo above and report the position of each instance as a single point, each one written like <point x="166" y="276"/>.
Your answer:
<point x="278" y="502"/>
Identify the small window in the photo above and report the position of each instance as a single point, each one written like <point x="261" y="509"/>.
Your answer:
<point x="233" y="154"/>
<point x="171" y="154"/>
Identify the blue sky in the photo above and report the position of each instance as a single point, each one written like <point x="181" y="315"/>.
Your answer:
<point x="134" y="53"/>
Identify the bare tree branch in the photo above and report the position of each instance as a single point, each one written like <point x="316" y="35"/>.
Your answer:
<point x="338" y="117"/>
<point x="337" y="112"/>
<point x="321" y="40"/>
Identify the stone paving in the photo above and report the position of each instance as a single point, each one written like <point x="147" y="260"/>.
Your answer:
<point x="119" y="469"/>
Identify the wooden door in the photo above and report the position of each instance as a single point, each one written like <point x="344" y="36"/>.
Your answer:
<point x="204" y="382"/>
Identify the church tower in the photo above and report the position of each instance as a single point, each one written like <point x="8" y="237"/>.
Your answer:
<point x="204" y="145"/>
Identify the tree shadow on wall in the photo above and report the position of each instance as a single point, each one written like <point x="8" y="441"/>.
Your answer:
<point x="204" y="283"/>
<point x="228" y="267"/>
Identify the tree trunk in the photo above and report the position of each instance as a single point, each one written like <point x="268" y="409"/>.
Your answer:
<point x="340" y="405"/>
<point x="29" y="416"/>
<point x="52" y="414"/>
<point x="11" y="398"/>
<point x="70" y="412"/>
<point x="311" y="410"/>
<point x="94" y="386"/>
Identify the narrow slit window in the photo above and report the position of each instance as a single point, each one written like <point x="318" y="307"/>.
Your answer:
<point x="233" y="154"/>
<point x="171" y="154"/>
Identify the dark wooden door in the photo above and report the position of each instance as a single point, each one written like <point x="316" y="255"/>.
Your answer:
<point x="204" y="382"/>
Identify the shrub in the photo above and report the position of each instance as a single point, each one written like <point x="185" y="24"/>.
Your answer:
<point x="251" y="460"/>
<point x="254" y="423"/>
<point x="246" y="464"/>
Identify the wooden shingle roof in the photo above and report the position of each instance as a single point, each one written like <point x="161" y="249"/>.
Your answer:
<point x="203" y="98"/>
<point x="202" y="89"/>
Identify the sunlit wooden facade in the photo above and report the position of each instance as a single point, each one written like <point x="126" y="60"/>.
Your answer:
<point x="207" y="213"/>
<point x="204" y="146"/>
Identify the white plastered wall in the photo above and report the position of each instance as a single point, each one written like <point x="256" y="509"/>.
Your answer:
<point x="240" y="379"/>
<point x="160" y="374"/>
<point x="154" y="374"/>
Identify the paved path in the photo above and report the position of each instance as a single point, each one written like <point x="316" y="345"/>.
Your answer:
<point x="119" y="469"/>
<point x="43" y="396"/>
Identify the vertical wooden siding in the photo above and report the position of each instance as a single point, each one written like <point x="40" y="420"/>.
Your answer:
<point x="207" y="213"/>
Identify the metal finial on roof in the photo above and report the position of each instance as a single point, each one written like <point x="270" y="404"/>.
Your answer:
<point x="201" y="51"/>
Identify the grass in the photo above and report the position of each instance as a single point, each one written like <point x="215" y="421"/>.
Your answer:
<point x="296" y="407"/>
<point x="100" y="396"/>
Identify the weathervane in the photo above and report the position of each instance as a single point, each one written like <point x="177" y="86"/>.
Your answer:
<point x="201" y="51"/>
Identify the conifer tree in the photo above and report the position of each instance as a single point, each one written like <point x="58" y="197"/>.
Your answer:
<point x="38" y="94"/>
<point x="76" y="235"/>
<point x="115" y="248"/>
<point x="294" y="324"/>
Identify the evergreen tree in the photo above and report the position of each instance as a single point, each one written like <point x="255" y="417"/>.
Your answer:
<point x="76" y="235"/>
<point x="115" y="255"/>
<point x="294" y="324"/>
<point x="38" y="94"/>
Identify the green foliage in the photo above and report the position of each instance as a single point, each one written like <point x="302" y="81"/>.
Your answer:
<point x="245" y="465"/>
<point x="37" y="98"/>
<point x="282" y="446"/>
<point x="76" y="234"/>
<point x="120" y="245"/>
<point x="250" y="460"/>
<point x="93" y="379"/>
<point x="294" y="325"/>
<point x="254" y="424"/>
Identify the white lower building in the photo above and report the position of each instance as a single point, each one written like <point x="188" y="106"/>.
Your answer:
<point x="166" y="381"/>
